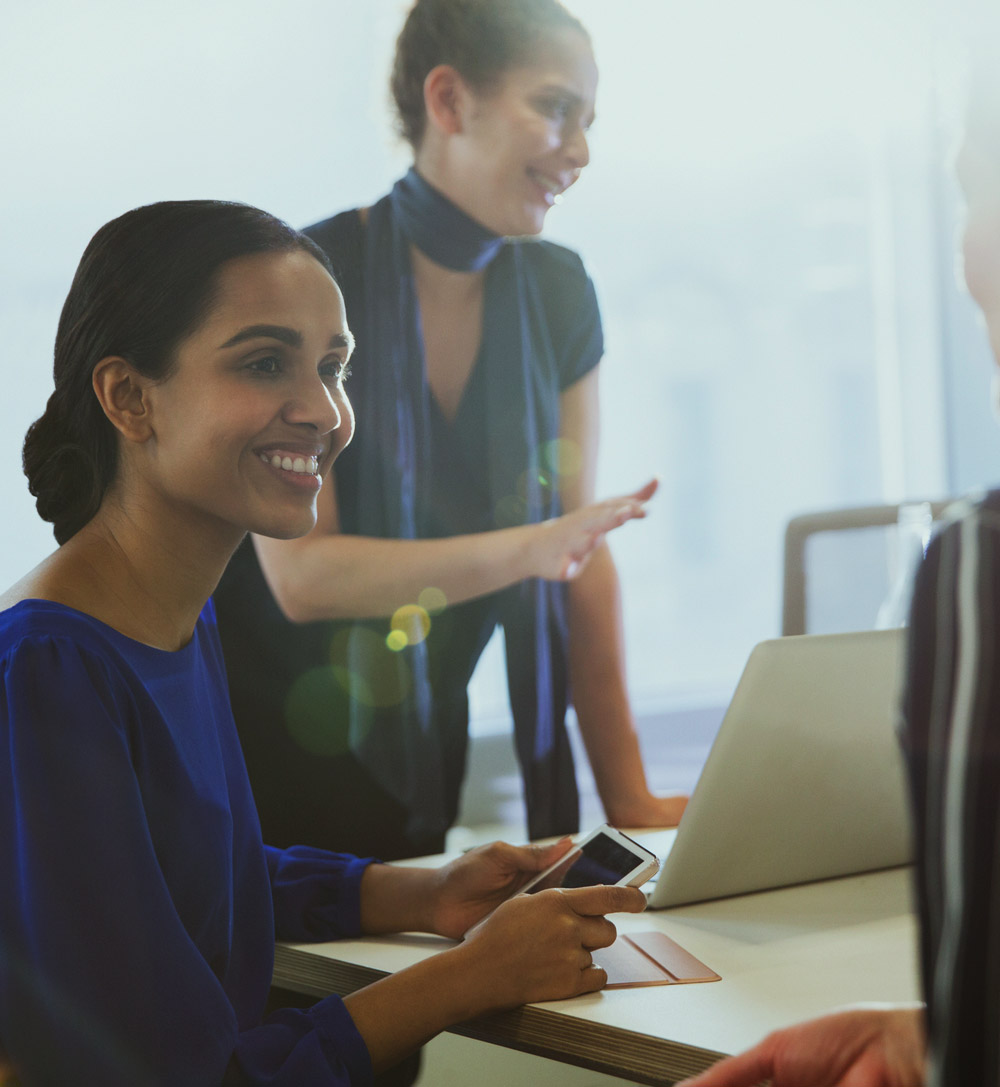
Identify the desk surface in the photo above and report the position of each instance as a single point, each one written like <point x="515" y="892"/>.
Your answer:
<point x="783" y="955"/>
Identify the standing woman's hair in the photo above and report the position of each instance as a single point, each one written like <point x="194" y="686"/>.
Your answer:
<point x="145" y="281"/>
<point x="481" y="39"/>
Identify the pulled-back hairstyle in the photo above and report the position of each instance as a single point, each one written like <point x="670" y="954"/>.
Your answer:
<point x="145" y="281"/>
<point x="481" y="39"/>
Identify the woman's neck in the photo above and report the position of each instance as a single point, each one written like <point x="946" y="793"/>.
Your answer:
<point x="435" y="282"/>
<point x="146" y="578"/>
<point x="439" y="227"/>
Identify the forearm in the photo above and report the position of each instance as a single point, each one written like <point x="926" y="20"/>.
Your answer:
<point x="401" y="1012"/>
<point x="597" y="683"/>
<point x="398" y="899"/>
<point x="354" y="577"/>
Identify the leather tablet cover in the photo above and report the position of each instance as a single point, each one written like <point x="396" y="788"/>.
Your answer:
<point x="650" y="958"/>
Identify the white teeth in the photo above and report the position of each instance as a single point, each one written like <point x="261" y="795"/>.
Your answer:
<point x="547" y="183"/>
<point x="298" y="465"/>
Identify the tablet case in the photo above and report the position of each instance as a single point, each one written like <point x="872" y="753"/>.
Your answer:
<point x="650" y="958"/>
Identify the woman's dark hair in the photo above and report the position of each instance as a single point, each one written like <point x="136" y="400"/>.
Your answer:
<point x="481" y="39"/>
<point x="146" y="280"/>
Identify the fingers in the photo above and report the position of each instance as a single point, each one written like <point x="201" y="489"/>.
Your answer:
<point x="599" y="900"/>
<point x="535" y="858"/>
<point x="544" y="855"/>
<point x="596" y="932"/>
<point x="592" y="979"/>
<point x="646" y="492"/>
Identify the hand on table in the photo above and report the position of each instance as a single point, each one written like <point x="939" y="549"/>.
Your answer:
<point x="538" y="947"/>
<point x="646" y="811"/>
<point x="864" y="1047"/>
<point x="560" y="547"/>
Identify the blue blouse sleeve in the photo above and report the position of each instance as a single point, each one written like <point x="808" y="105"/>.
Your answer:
<point x="317" y="894"/>
<point x="100" y="982"/>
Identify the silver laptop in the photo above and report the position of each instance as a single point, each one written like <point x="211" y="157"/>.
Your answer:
<point x="805" y="778"/>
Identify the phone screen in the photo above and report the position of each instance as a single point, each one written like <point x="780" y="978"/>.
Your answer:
<point x="600" y="860"/>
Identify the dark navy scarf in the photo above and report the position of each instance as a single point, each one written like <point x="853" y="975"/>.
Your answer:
<point x="521" y="415"/>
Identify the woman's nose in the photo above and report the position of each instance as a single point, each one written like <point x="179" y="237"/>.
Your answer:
<point x="314" y="405"/>
<point x="576" y="146"/>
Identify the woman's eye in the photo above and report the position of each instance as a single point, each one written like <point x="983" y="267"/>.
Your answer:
<point x="270" y="364"/>
<point x="556" y="108"/>
<point x="335" y="371"/>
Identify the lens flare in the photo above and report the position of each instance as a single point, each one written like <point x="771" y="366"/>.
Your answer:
<point x="412" y="621"/>
<point x="367" y="670"/>
<point x="432" y="600"/>
<point x="562" y="456"/>
<point x="316" y="712"/>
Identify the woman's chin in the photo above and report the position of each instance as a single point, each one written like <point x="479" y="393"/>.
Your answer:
<point x="285" y="528"/>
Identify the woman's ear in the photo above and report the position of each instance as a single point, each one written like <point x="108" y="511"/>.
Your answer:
<point x="444" y="95"/>
<point x="120" y="390"/>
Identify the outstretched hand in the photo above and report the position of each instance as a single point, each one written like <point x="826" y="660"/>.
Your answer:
<point x="864" y="1047"/>
<point x="469" y="887"/>
<point x="562" y="546"/>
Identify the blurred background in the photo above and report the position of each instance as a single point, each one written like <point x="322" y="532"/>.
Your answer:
<point x="769" y="217"/>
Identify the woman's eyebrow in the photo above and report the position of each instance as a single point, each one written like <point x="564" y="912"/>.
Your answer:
<point x="284" y="335"/>
<point x="272" y="332"/>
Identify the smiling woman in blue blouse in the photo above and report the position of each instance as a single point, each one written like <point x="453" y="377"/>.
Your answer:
<point x="199" y="392"/>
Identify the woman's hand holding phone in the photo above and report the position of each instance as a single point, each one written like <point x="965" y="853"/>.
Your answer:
<point x="539" y="947"/>
<point x="473" y="885"/>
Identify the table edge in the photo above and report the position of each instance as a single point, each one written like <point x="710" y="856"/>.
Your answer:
<point x="612" y="1050"/>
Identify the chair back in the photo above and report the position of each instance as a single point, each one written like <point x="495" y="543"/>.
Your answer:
<point x="842" y="566"/>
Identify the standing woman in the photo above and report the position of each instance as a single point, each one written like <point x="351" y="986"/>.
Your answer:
<point x="468" y="499"/>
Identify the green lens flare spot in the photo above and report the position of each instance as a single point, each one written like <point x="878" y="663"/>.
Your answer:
<point x="396" y="640"/>
<point x="367" y="669"/>
<point x="562" y="456"/>
<point x="316" y="712"/>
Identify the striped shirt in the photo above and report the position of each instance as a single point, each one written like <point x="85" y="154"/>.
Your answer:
<point x="951" y="736"/>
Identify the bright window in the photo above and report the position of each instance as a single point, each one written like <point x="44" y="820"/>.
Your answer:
<point x="766" y="217"/>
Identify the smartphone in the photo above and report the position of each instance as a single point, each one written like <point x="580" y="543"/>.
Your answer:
<point x="605" y="856"/>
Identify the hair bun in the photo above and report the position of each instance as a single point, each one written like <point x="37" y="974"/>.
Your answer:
<point x="61" y="475"/>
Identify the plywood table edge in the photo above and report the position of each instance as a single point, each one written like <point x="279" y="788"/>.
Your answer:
<point x="641" y="1058"/>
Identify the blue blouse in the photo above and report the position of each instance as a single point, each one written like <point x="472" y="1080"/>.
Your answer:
<point x="138" y="905"/>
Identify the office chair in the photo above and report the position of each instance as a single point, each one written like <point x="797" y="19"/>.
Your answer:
<point x="852" y="556"/>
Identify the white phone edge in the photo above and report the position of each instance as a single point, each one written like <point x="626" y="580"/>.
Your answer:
<point x="648" y="864"/>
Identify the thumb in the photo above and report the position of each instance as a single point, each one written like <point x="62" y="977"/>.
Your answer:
<point x="535" y="858"/>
